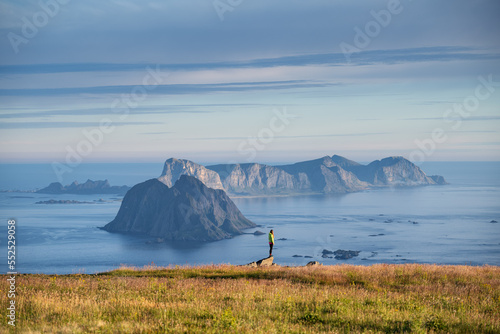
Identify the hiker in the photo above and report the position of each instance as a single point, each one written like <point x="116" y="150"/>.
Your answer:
<point x="271" y="243"/>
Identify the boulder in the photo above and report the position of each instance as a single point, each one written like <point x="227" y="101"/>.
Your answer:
<point x="268" y="261"/>
<point x="251" y="264"/>
<point x="313" y="264"/>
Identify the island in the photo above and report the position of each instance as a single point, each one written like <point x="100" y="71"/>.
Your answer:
<point x="327" y="175"/>
<point x="88" y="188"/>
<point x="187" y="211"/>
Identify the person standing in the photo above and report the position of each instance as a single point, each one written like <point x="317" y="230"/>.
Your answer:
<point x="271" y="243"/>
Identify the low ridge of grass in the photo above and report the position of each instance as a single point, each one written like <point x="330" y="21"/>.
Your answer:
<point x="409" y="298"/>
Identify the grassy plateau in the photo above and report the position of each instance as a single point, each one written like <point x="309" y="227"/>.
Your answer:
<point x="410" y="298"/>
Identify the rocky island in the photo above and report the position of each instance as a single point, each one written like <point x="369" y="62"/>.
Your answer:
<point x="188" y="211"/>
<point x="62" y="201"/>
<point x="327" y="175"/>
<point x="88" y="188"/>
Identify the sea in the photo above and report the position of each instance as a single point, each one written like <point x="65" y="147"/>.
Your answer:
<point x="456" y="223"/>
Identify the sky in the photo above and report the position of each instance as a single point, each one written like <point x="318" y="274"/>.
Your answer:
<point x="248" y="80"/>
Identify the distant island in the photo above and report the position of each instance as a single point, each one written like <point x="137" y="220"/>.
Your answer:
<point x="187" y="211"/>
<point x="88" y="188"/>
<point x="62" y="201"/>
<point x="69" y="201"/>
<point x="327" y="175"/>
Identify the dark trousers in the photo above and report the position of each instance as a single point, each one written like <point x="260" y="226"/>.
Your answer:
<point x="271" y="249"/>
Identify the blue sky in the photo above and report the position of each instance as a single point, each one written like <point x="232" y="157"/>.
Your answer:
<point x="249" y="80"/>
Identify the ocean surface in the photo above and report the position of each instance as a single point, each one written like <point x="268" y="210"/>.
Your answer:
<point x="449" y="224"/>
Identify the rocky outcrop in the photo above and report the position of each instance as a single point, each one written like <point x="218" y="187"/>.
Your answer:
<point x="88" y="188"/>
<point x="174" y="168"/>
<point x="327" y="175"/>
<point x="313" y="264"/>
<point x="188" y="211"/>
<point x="265" y="262"/>
<point x="340" y="254"/>
<point x="254" y="179"/>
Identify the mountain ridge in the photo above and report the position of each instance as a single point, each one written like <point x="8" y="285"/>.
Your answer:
<point x="325" y="175"/>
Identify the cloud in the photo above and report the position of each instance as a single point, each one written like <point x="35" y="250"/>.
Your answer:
<point x="174" y="89"/>
<point x="50" y="125"/>
<point x="156" y="110"/>
<point x="370" y="57"/>
<point x="156" y="133"/>
<point x="463" y="119"/>
<point x="298" y="136"/>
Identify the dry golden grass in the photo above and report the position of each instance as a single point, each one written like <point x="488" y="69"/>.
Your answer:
<point x="218" y="299"/>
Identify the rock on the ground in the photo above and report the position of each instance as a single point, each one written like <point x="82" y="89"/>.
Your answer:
<point x="268" y="261"/>
<point x="251" y="264"/>
<point x="313" y="263"/>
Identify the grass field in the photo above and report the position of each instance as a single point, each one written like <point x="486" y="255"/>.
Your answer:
<point x="228" y="299"/>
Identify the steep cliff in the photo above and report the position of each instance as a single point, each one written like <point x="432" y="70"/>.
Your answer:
<point x="174" y="168"/>
<point x="254" y="179"/>
<point x="187" y="211"/>
<point x="320" y="175"/>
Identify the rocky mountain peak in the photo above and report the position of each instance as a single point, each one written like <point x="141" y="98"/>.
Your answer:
<point x="187" y="211"/>
<point x="174" y="168"/>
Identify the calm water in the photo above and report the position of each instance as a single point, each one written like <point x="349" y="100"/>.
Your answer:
<point x="452" y="223"/>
